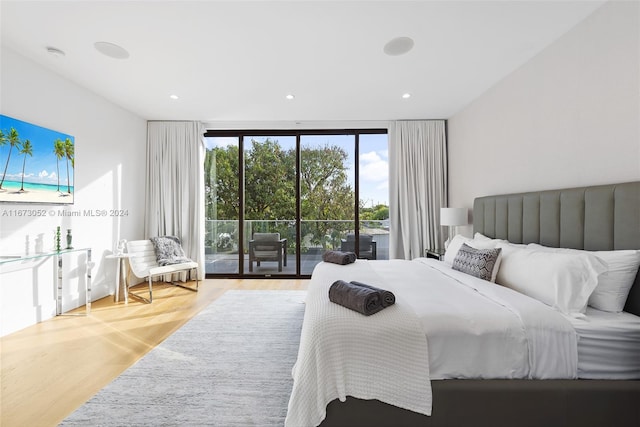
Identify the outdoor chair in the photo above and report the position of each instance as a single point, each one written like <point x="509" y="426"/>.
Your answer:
<point x="267" y="247"/>
<point x="368" y="247"/>
<point x="143" y="261"/>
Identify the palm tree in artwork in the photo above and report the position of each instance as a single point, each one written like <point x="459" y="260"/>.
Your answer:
<point x="69" y="153"/>
<point x="14" y="141"/>
<point x="27" y="150"/>
<point x="58" y="150"/>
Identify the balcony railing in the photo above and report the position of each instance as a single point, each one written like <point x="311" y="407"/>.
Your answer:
<point x="317" y="236"/>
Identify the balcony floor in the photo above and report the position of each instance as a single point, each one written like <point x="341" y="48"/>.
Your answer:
<point x="228" y="264"/>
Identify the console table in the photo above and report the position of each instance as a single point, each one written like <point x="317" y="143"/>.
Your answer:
<point x="57" y="259"/>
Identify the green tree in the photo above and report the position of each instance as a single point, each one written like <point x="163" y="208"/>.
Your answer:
<point x="69" y="153"/>
<point x="14" y="141"/>
<point x="325" y="194"/>
<point x="269" y="182"/>
<point x="221" y="183"/>
<point x="27" y="150"/>
<point x="269" y="187"/>
<point x="376" y="213"/>
<point x="58" y="150"/>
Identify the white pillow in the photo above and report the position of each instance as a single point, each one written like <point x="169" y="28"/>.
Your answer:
<point x="456" y="244"/>
<point x="615" y="282"/>
<point x="562" y="280"/>
<point x="482" y="238"/>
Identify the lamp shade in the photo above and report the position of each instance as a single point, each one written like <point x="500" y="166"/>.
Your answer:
<point x="453" y="216"/>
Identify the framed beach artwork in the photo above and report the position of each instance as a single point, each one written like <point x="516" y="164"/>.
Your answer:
<point x="36" y="164"/>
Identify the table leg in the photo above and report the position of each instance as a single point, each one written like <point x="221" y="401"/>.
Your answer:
<point x="125" y="285"/>
<point x="58" y="261"/>
<point x="90" y="265"/>
<point x="118" y="261"/>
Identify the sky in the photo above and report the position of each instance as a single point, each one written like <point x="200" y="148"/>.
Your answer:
<point x="374" y="160"/>
<point x="40" y="168"/>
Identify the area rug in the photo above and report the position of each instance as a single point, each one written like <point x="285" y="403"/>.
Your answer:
<point x="228" y="366"/>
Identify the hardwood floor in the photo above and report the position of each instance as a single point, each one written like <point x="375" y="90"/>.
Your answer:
<point x="51" y="368"/>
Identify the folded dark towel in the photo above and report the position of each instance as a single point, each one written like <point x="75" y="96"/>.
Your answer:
<point x="388" y="298"/>
<point x="358" y="298"/>
<point x="338" y="257"/>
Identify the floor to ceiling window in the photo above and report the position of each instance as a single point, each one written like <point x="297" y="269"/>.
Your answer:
<point x="276" y="201"/>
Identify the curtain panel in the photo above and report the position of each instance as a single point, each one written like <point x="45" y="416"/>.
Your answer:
<point x="174" y="204"/>
<point x="417" y="186"/>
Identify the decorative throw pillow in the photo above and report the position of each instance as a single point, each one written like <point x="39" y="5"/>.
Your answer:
<point x="482" y="263"/>
<point x="168" y="250"/>
<point x="456" y="244"/>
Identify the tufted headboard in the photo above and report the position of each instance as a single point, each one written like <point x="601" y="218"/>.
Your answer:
<point x="603" y="217"/>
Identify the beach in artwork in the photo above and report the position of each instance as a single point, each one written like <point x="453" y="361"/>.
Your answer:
<point x="36" y="164"/>
<point x="43" y="193"/>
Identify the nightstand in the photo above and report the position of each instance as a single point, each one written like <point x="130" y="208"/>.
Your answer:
<point x="434" y="253"/>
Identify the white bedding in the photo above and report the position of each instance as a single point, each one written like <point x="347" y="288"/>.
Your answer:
<point x="343" y="353"/>
<point x="474" y="329"/>
<point x="608" y="345"/>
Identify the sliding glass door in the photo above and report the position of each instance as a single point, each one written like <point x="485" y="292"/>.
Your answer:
<point x="276" y="201"/>
<point x="327" y="195"/>
<point x="222" y="206"/>
<point x="269" y="205"/>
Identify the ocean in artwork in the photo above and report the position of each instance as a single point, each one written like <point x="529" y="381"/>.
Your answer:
<point x="30" y="186"/>
<point x="34" y="163"/>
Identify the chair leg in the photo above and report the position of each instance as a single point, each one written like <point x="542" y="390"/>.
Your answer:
<point x="137" y="294"/>
<point x="188" y="287"/>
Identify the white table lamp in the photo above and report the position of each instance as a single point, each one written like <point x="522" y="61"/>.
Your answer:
<point x="452" y="217"/>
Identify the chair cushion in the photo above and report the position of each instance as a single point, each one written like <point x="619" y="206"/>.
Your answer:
<point x="165" y="269"/>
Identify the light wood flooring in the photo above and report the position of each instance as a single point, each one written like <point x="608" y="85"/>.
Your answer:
<point x="50" y="369"/>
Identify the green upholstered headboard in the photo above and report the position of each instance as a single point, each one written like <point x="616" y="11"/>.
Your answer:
<point x="603" y="217"/>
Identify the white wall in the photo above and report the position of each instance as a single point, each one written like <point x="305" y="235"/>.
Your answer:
<point x="569" y="117"/>
<point x="109" y="174"/>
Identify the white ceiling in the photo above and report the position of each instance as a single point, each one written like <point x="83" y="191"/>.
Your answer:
<point x="236" y="60"/>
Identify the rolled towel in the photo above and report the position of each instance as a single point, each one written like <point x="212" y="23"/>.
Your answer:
<point x="338" y="257"/>
<point x="358" y="298"/>
<point x="388" y="298"/>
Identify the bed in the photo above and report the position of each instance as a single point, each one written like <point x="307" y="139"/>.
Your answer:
<point x="583" y="391"/>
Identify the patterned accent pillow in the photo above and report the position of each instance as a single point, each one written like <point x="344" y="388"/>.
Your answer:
<point x="482" y="263"/>
<point x="168" y="250"/>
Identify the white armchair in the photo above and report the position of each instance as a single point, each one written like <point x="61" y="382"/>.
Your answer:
<point x="144" y="265"/>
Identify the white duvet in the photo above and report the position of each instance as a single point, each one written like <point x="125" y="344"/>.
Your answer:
<point x="445" y="324"/>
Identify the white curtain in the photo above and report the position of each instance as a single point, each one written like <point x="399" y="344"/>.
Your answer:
<point x="175" y="185"/>
<point x="418" y="186"/>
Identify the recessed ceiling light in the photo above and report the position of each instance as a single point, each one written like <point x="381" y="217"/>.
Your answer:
<point x="54" y="51"/>
<point x="174" y="96"/>
<point x="289" y="96"/>
<point x="111" y="50"/>
<point x="406" y="95"/>
<point x="398" y="46"/>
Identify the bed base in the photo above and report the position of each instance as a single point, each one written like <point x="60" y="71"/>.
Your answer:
<point x="503" y="403"/>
